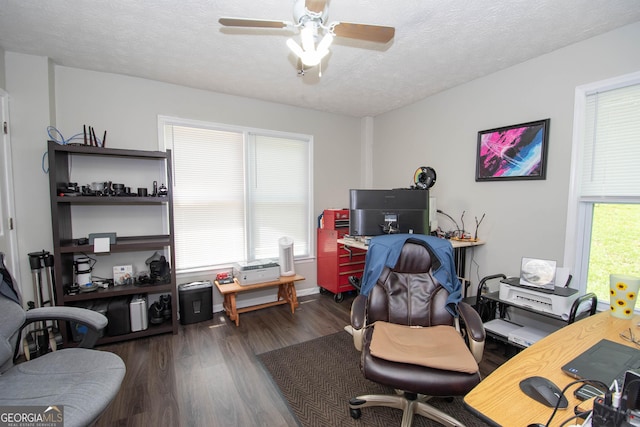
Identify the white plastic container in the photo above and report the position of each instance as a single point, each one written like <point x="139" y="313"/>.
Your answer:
<point x="138" y="313"/>
<point x="285" y="246"/>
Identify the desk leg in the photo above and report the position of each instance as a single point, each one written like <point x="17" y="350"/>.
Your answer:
<point x="231" y="309"/>
<point x="460" y="260"/>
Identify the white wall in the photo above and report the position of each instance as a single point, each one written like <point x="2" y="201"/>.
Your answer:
<point x="3" y="83"/>
<point x="523" y="218"/>
<point x="27" y="80"/>
<point x="127" y="108"/>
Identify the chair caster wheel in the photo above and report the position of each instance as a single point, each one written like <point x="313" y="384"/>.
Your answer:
<point x="355" y="413"/>
<point x="339" y="297"/>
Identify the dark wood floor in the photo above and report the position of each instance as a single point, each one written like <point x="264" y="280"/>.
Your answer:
<point x="208" y="374"/>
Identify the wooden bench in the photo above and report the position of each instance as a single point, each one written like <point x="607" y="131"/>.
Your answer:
<point x="286" y="295"/>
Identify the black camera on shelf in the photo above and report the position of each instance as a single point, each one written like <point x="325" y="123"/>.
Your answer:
<point x="159" y="271"/>
<point x="160" y="311"/>
<point x="67" y="189"/>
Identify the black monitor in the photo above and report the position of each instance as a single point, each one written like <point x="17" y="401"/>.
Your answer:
<point x="376" y="212"/>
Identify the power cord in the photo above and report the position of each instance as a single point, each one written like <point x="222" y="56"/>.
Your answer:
<point x="452" y="220"/>
<point x="584" y="414"/>
<point x="56" y="136"/>
<point x="595" y="382"/>
<point x="388" y="228"/>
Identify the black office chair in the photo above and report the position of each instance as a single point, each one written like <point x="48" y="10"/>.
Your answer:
<point x="409" y="295"/>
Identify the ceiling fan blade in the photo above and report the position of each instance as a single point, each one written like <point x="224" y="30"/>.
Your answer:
<point x="315" y="5"/>
<point x="373" y="33"/>
<point x="246" y="22"/>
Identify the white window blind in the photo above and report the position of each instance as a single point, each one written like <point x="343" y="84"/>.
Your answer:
<point x="279" y="193"/>
<point x="236" y="192"/>
<point x="605" y="192"/>
<point x="611" y="151"/>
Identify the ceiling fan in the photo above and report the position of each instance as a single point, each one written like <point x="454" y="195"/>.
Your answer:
<point x="310" y="18"/>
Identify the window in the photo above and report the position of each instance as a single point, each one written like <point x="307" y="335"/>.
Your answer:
<point x="236" y="192"/>
<point x="603" y="222"/>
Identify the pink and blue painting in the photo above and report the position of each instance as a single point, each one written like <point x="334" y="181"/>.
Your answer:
<point x="513" y="152"/>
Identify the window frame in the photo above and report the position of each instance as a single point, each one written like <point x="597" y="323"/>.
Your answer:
<point x="248" y="136"/>
<point x="580" y="209"/>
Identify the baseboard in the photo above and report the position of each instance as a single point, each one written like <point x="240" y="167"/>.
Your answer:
<point x="241" y="303"/>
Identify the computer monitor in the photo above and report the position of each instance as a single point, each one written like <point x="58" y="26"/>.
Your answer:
<point x="376" y="212"/>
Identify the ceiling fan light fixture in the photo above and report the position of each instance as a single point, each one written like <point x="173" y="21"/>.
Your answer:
<point x="311" y="20"/>
<point x="295" y="48"/>
<point x="325" y="42"/>
<point x="310" y="59"/>
<point x="314" y="58"/>
<point x="308" y="54"/>
<point x="307" y="36"/>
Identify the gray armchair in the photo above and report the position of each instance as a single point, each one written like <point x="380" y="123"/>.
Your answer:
<point x="80" y="381"/>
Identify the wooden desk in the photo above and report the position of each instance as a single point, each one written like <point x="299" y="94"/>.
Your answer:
<point x="286" y="295"/>
<point x="457" y="244"/>
<point x="498" y="399"/>
<point x="459" y="254"/>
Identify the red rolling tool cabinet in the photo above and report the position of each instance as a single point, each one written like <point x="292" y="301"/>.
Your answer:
<point x="335" y="261"/>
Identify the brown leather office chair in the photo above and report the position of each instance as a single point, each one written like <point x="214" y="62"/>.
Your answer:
<point x="408" y="294"/>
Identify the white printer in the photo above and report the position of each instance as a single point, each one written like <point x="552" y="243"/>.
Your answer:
<point x="557" y="301"/>
<point x="249" y="273"/>
<point x="535" y="290"/>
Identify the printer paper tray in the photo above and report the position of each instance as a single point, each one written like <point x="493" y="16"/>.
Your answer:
<point x="501" y="327"/>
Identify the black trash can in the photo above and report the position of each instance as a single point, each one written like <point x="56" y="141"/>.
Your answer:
<point x="196" y="302"/>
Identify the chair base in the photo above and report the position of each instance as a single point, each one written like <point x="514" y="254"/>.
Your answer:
<point x="408" y="403"/>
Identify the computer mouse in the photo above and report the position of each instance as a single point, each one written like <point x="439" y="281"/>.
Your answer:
<point x="544" y="391"/>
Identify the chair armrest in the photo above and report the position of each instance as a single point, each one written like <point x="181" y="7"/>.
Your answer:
<point x="474" y="328"/>
<point x="359" y="312"/>
<point x="472" y="321"/>
<point x="94" y="321"/>
<point x="358" y="320"/>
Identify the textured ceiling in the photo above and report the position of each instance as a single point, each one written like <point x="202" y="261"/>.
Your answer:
<point x="438" y="44"/>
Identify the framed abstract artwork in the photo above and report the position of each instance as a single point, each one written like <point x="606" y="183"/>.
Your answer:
<point x="513" y="152"/>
